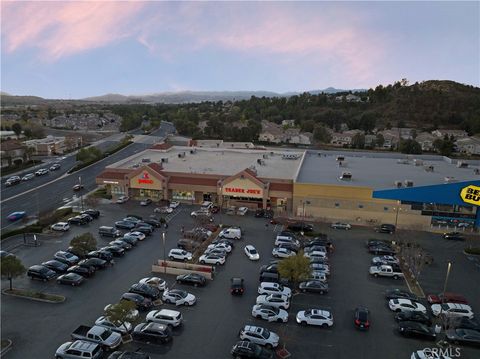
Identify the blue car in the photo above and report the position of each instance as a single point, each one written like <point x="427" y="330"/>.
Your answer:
<point x="15" y="216"/>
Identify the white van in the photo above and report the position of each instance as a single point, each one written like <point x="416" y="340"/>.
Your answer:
<point x="231" y="233"/>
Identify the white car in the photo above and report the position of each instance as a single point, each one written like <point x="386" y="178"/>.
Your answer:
<point x="251" y="253"/>
<point x="242" y="211"/>
<point x="319" y="317"/>
<point x="339" y="225"/>
<point x="406" y="305"/>
<point x="385" y="260"/>
<point x="274" y="288"/>
<point x="230" y="233"/>
<point x="178" y="297"/>
<point x="223" y="246"/>
<point x="122" y="328"/>
<point x="174" y="204"/>
<point x="260" y="336"/>
<point x="269" y="313"/>
<point x="321" y="276"/>
<point x="138" y="235"/>
<point x="122" y="199"/>
<point x="275" y="300"/>
<point x="452" y="310"/>
<point x="132" y="316"/>
<point x="317" y="254"/>
<point x="180" y="254"/>
<point x="200" y="212"/>
<point x="41" y="172"/>
<point x="282" y="252"/>
<point x="60" y="226"/>
<point x="155" y="282"/>
<point x="163" y="210"/>
<point x="145" y="202"/>
<point x="169" y="317"/>
<point x="28" y="177"/>
<point x="211" y="259"/>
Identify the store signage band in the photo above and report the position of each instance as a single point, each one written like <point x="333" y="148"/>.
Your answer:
<point x="471" y="194"/>
<point x="242" y="190"/>
<point x="145" y="179"/>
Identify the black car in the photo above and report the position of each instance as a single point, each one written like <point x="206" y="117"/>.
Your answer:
<point x="415" y="329"/>
<point x="454" y="236"/>
<point x="86" y="271"/>
<point x="236" y="286"/>
<point x="314" y="286"/>
<point x="153" y="222"/>
<point x="116" y="251"/>
<point x="325" y="242"/>
<point x="463" y="336"/>
<point x="141" y="302"/>
<point x="124" y="225"/>
<point x="92" y="213"/>
<point x="413" y="316"/>
<point x="244" y="349"/>
<point x="72" y="279"/>
<point x="96" y="263"/>
<point x="77" y="220"/>
<point x="264" y="213"/>
<point x="102" y="254"/>
<point x="193" y="279"/>
<point x="386" y="228"/>
<point x="382" y="250"/>
<point x="466" y="323"/>
<point x="121" y="244"/>
<point x="399" y="293"/>
<point x="152" y="333"/>
<point x="145" y="290"/>
<point x="145" y="229"/>
<point x="361" y="318"/>
<point x="300" y="227"/>
<point x="128" y="355"/>
<point x="56" y="266"/>
<point x="377" y="242"/>
<point x="41" y="272"/>
<point x="270" y="268"/>
<point x="86" y="217"/>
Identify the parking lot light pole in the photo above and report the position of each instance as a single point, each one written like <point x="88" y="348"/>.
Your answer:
<point x="81" y="192"/>
<point x="449" y="267"/>
<point x="164" y="256"/>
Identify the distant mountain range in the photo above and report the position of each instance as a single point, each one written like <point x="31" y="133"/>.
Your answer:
<point x="167" y="97"/>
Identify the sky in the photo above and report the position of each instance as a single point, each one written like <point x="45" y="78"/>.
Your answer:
<point x="72" y="49"/>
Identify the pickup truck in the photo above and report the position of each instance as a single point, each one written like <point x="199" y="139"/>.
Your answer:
<point x="100" y="335"/>
<point x="385" y="271"/>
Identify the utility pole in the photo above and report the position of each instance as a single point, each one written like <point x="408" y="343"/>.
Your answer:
<point x="164" y="256"/>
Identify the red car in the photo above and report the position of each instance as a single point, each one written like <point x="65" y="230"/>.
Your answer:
<point x="449" y="298"/>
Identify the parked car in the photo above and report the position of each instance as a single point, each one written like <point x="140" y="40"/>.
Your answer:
<point x="155" y="282"/>
<point x="100" y="335"/>
<point x="270" y="268"/>
<point x="169" y="317"/>
<point x="260" y="336"/>
<point x="361" y="318"/>
<point x="116" y="251"/>
<point x="273" y="288"/>
<point x="340" y="225"/>
<point x="192" y="278"/>
<point x="251" y="253"/>
<point x="97" y="263"/>
<point x="56" y="266"/>
<point x="28" y="177"/>
<point x="152" y="333"/>
<point x="72" y="279"/>
<point x="385" y="260"/>
<point x="153" y="222"/>
<point x="399" y="293"/>
<point x="92" y="213"/>
<point x="290" y="246"/>
<point x="231" y="233"/>
<point x="106" y="231"/>
<point x="279" y="252"/>
<point x="275" y="300"/>
<point x="140" y="301"/>
<point x="79" y="349"/>
<point x="454" y="236"/>
<point x="128" y="355"/>
<point x="174" y="204"/>
<point x="145" y="290"/>
<point x="101" y="254"/>
<point x="269" y="313"/>
<point x="178" y="297"/>
<point x="382" y="250"/>
<point x="216" y="252"/>
<point x="145" y="202"/>
<point x="300" y="227"/>
<point x="60" y="226"/>
<point x="122" y="199"/>
<point x="386" y="228"/>
<point x="320" y="317"/>
<point x="144" y="228"/>
<point x="246" y="349"/>
<point x="414" y="316"/>
<point x="264" y="213"/>
<point x="237" y="286"/>
<point x="78" y="220"/>
<point x="139" y="236"/>
<point x="180" y="254"/>
<point x="83" y="271"/>
<point x="223" y="246"/>
<point x="452" y="310"/>
<point x="125" y="224"/>
<point x="41" y="272"/>
<point x="66" y="257"/>
<point x="463" y="336"/>
<point x="447" y="298"/>
<point x="121" y="244"/>
<point x="416" y="329"/>
<point x="242" y="211"/>
<point x="122" y="328"/>
<point x="314" y="286"/>
<point x="405" y="305"/>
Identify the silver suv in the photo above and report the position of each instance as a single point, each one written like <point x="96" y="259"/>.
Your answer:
<point x="259" y="335"/>
<point x="79" y="349"/>
<point x="172" y="318"/>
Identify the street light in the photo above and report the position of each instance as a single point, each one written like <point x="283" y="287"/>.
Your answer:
<point x="449" y="267"/>
<point x="81" y="192"/>
<point x="304" y="202"/>
<point x="164" y="256"/>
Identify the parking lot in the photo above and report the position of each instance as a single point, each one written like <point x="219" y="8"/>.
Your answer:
<point x="211" y="326"/>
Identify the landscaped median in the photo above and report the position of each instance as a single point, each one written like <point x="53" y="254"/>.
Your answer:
<point x="34" y="295"/>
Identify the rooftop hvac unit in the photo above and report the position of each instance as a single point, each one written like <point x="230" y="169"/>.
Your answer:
<point x="408" y="183"/>
<point x="417" y="162"/>
<point x="265" y="156"/>
<point x="181" y="155"/>
<point x="261" y="162"/>
<point x="450" y="179"/>
<point x="402" y="162"/>
<point x="165" y="160"/>
<point x="429" y="168"/>
<point x="146" y="160"/>
<point x="340" y="158"/>
<point x="398" y="184"/>
<point x="290" y="156"/>
<point x="462" y="164"/>
<point x="346" y="176"/>
<point x="193" y="151"/>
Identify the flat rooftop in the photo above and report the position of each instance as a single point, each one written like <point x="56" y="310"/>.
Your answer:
<point x="221" y="161"/>
<point x="380" y="170"/>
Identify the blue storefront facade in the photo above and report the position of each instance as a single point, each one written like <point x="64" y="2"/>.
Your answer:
<point x="450" y="205"/>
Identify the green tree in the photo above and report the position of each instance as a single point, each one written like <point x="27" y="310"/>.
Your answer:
<point x="17" y="128"/>
<point x="295" y="268"/>
<point x="121" y="313"/>
<point x="321" y="134"/>
<point x="83" y="244"/>
<point x="410" y="147"/>
<point x="379" y="140"/>
<point x="358" y="141"/>
<point x="444" y="147"/>
<point x="11" y="267"/>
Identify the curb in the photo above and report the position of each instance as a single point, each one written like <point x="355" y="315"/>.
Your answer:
<point x="7" y="348"/>
<point x="34" y="299"/>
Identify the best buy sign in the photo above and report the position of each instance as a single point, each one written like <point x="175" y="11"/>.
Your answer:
<point x="471" y="194"/>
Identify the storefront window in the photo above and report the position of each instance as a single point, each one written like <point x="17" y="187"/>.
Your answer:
<point x="183" y="196"/>
<point x="118" y="190"/>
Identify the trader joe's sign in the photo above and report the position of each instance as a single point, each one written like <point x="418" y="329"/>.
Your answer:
<point x="471" y="194"/>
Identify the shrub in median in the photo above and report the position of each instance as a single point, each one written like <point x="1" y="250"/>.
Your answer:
<point x="475" y="251"/>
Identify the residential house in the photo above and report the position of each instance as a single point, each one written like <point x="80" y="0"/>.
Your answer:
<point x="370" y="140"/>
<point x="425" y="140"/>
<point x="353" y="98"/>
<point x="344" y="138"/>
<point x="294" y="136"/>
<point x="455" y="133"/>
<point x="12" y="152"/>
<point x="271" y="132"/>
<point x="288" y="123"/>
<point x="469" y="145"/>
<point x="52" y="145"/>
<point x="391" y="138"/>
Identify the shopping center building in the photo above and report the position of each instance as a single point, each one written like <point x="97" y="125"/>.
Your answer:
<point x="421" y="192"/>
